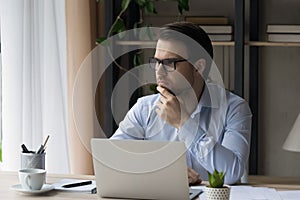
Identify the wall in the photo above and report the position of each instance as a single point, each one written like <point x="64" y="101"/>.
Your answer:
<point x="279" y="94"/>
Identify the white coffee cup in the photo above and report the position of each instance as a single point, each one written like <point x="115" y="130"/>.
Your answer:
<point x="32" y="179"/>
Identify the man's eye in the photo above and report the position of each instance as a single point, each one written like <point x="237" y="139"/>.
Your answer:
<point x="167" y="62"/>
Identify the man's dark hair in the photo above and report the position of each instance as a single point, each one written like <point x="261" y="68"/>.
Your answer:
<point x="176" y="31"/>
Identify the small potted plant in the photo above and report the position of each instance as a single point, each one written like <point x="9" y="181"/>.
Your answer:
<point x="216" y="189"/>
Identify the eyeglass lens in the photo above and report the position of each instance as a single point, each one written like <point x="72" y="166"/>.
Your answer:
<point x="168" y="64"/>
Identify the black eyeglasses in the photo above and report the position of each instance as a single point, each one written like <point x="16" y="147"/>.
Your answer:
<point x="168" y="64"/>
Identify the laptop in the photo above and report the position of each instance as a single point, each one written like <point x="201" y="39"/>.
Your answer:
<point x="140" y="169"/>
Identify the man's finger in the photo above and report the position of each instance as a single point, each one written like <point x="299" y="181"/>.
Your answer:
<point x="193" y="172"/>
<point x="198" y="181"/>
<point x="163" y="100"/>
<point x="193" y="176"/>
<point x="164" y="91"/>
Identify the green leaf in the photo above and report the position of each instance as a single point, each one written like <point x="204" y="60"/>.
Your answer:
<point x="122" y="32"/>
<point x="216" y="179"/>
<point x="0" y="151"/>
<point x="125" y="4"/>
<point x="137" y="59"/>
<point x="103" y="41"/>
<point x="141" y="3"/>
<point x="183" y="5"/>
<point x="100" y="40"/>
<point x="149" y="7"/>
<point x="153" y="88"/>
<point x="118" y="26"/>
<point x="210" y="178"/>
<point x="222" y="175"/>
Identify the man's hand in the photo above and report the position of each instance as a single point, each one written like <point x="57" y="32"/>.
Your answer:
<point x="170" y="109"/>
<point x="194" y="177"/>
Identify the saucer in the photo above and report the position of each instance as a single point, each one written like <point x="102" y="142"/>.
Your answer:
<point x="45" y="188"/>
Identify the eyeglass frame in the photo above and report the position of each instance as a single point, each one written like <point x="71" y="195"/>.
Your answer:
<point x="173" y="61"/>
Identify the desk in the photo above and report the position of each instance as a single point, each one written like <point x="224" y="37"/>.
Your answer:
<point x="7" y="179"/>
<point x="279" y="183"/>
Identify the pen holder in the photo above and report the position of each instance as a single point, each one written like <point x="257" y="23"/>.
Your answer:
<point x="33" y="160"/>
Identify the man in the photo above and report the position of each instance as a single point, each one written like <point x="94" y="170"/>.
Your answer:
<point x="214" y="123"/>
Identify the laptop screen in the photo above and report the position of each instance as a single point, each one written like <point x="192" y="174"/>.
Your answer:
<point x="140" y="169"/>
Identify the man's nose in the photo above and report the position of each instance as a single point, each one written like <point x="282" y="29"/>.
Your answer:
<point x="160" y="69"/>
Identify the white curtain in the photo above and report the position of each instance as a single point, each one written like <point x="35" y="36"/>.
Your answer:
<point x="34" y="96"/>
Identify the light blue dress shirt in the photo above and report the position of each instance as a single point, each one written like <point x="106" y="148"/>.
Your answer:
<point x="217" y="134"/>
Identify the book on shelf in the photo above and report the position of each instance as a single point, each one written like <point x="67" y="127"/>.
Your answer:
<point x="217" y="29"/>
<point x="283" y="28"/>
<point x="284" y="37"/>
<point x="220" y="37"/>
<point x="207" y="20"/>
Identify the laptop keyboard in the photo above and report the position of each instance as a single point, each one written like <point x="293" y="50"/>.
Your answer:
<point x="193" y="193"/>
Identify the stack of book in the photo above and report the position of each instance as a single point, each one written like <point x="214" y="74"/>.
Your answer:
<point x="217" y="28"/>
<point x="283" y="33"/>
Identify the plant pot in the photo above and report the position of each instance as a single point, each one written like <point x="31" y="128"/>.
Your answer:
<point x="217" y="193"/>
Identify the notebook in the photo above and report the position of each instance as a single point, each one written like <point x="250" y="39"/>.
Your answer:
<point x="139" y="169"/>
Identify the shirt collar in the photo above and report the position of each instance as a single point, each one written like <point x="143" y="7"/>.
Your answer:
<point x="212" y="97"/>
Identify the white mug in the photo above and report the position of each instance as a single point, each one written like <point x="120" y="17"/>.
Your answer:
<point x="32" y="179"/>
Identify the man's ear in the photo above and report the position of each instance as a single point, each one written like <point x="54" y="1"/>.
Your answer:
<point x="200" y="65"/>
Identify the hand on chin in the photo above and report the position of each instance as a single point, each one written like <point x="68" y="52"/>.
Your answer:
<point x="169" y="108"/>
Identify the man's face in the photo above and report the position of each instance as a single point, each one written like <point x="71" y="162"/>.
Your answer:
<point x="183" y="77"/>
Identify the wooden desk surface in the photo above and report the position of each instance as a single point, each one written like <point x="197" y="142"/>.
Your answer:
<point x="7" y="179"/>
<point x="279" y="183"/>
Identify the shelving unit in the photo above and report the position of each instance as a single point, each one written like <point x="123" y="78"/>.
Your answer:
<point x="274" y="65"/>
<point x="273" y="44"/>
<point x="239" y="39"/>
<point x="223" y="43"/>
<point x="253" y="85"/>
<point x="151" y="43"/>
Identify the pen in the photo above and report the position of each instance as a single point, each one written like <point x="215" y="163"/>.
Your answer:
<point x="42" y="147"/>
<point x="25" y="150"/>
<point x="77" y="184"/>
<point x="94" y="191"/>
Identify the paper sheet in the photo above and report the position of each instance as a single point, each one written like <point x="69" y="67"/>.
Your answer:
<point x="249" y="193"/>
<point x="86" y="188"/>
<point x="290" y="195"/>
